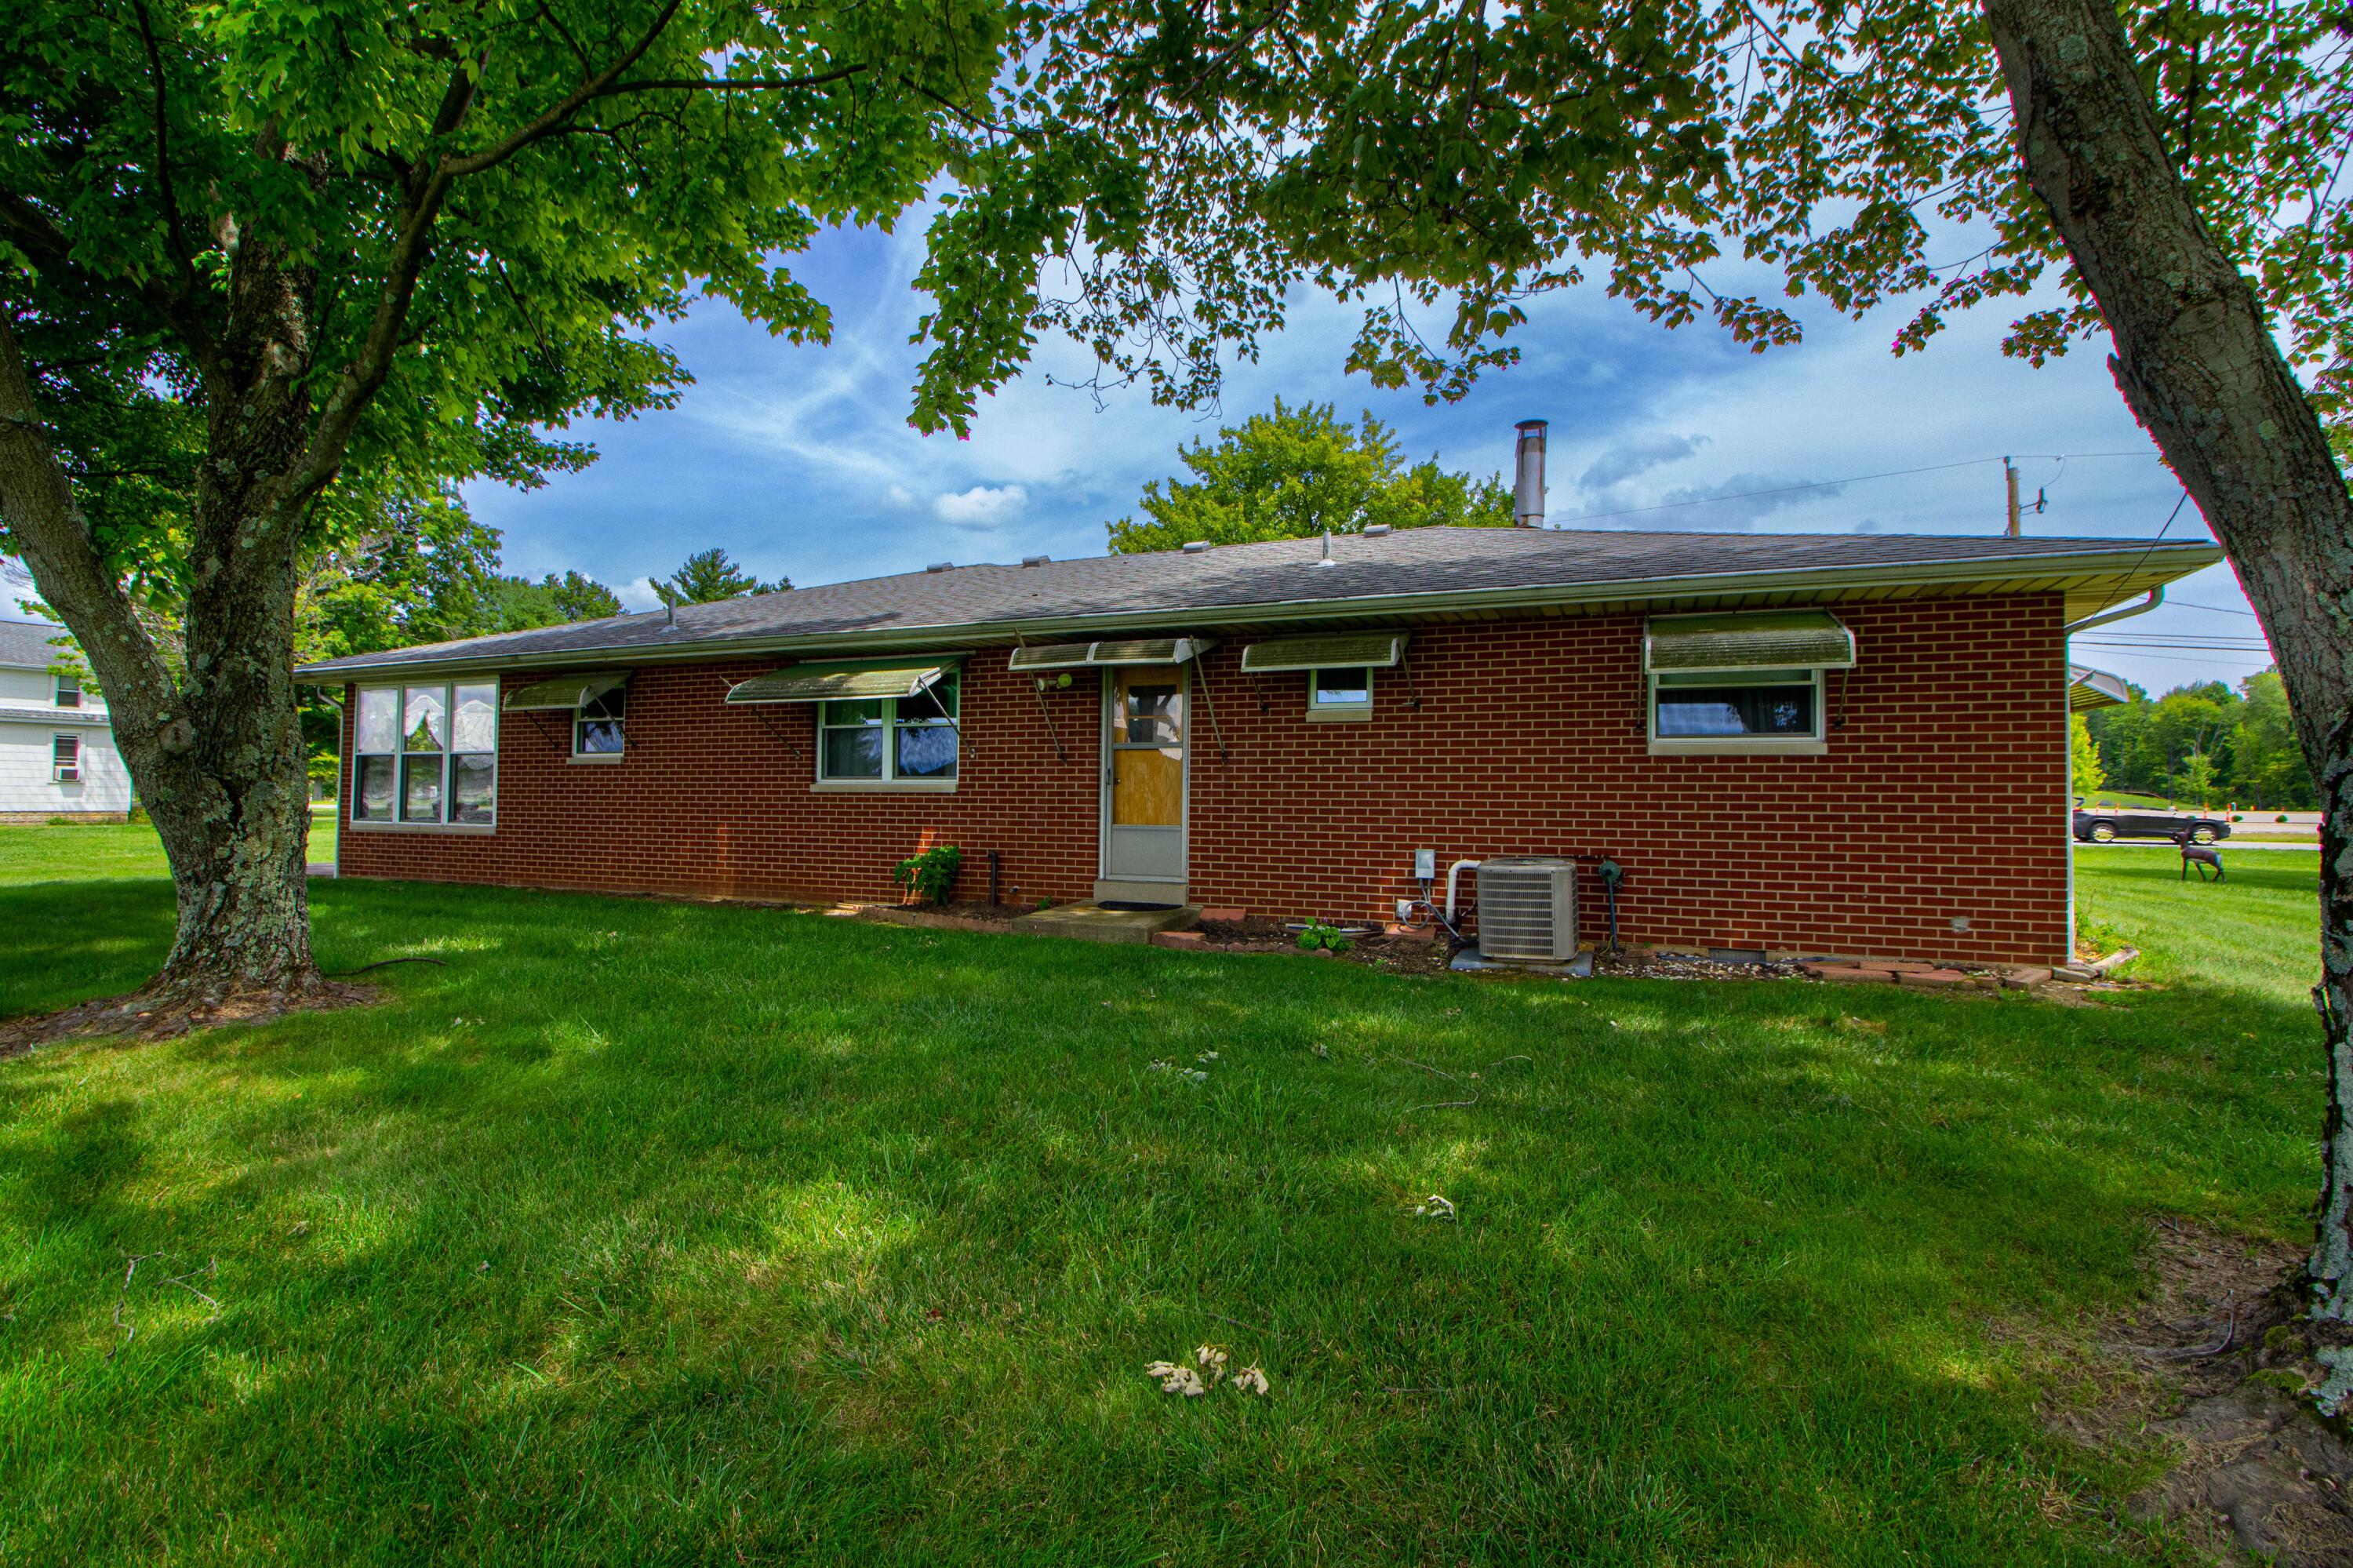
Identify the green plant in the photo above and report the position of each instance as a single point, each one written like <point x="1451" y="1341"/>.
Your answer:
<point x="1319" y="935"/>
<point x="930" y="873"/>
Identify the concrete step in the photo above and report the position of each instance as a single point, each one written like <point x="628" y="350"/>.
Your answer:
<point x="1093" y="923"/>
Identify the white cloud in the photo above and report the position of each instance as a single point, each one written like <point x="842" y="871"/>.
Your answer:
<point x="637" y="594"/>
<point x="982" y="506"/>
<point x="1639" y="455"/>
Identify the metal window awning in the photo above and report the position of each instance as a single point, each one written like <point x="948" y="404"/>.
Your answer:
<point x="571" y="692"/>
<point x="1767" y="640"/>
<point x="1337" y="652"/>
<point x="841" y="683"/>
<point x="1098" y="655"/>
<point x="2088" y="688"/>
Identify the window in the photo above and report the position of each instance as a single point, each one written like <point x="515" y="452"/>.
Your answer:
<point x="65" y="758"/>
<point x="596" y="723"/>
<point x="890" y="740"/>
<point x="1344" y="692"/>
<point x="68" y="691"/>
<point x="1748" y="709"/>
<point x="427" y="755"/>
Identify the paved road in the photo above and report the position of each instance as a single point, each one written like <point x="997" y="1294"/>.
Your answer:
<point x="2228" y="846"/>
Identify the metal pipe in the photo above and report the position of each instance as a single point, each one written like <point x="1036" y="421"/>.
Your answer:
<point x="1528" y="477"/>
<point x="1453" y="873"/>
<point x="2155" y="597"/>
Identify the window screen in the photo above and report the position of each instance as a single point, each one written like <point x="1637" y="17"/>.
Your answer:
<point x="426" y="755"/>
<point x="1345" y="690"/>
<point x="598" y="723"/>
<point x="1772" y="704"/>
<point x="891" y="739"/>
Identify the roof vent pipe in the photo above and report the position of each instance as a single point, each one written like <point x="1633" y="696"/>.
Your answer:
<point x="1528" y="488"/>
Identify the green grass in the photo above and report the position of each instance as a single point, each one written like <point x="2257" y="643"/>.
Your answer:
<point x="108" y="853"/>
<point x="665" y="1232"/>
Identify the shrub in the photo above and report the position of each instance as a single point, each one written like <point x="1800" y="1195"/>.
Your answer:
<point x="930" y="873"/>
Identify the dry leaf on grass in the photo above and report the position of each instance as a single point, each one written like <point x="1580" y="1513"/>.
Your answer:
<point x="1176" y="1378"/>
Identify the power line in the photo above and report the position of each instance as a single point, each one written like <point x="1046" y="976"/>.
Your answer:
<point x="1835" y="483"/>
<point x="2217" y="609"/>
<point x="2182" y="647"/>
<point x="2069" y="457"/>
<point x="2209" y="661"/>
<point x="1781" y="490"/>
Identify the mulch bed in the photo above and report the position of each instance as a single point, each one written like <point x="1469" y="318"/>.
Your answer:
<point x="136" y="1017"/>
<point x="1407" y="955"/>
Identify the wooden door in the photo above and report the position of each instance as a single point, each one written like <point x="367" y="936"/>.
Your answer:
<point x="1144" y="775"/>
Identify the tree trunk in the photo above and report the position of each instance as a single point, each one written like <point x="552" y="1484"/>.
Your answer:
<point x="216" y="752"/>
<point x="2198" y="365"/>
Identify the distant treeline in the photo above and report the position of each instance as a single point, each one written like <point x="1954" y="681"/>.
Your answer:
<point x="2205" y="745"/>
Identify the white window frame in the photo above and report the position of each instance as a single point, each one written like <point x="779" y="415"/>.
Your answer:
<point x="400" y="821"/>
<point x="66" y="770"/>
<point x="1344" y="712"/>
<point x="66" y="684"/>
<point x="1814" y="745"/>
<point x="580" y="721"/>
<point x="889" y="779"/>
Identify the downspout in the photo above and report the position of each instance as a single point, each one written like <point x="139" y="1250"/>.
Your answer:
<point x="2155" y="597"/>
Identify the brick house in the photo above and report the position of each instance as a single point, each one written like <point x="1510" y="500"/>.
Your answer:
<point x="1852" y="743"/>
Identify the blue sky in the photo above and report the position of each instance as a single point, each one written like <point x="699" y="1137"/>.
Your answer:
<point x="799" y="462"/>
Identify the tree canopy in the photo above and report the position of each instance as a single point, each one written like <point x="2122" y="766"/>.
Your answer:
<point x="1300" y="471"/>
<point x="708" y="575"/>
<point x="269" y="271"/>
<point x="2206" y="744"/>
<point x="1443" y="167"/>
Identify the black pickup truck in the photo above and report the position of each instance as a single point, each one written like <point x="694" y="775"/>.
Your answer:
<point x="2107" y="823"/>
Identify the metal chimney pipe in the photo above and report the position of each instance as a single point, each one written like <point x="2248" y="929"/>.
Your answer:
<point x="1528" y="489"/>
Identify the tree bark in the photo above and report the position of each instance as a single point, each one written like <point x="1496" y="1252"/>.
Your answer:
<point x="2201" y="370"/>
<point x="216" y="752"/>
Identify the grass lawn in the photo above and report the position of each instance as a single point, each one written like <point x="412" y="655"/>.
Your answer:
<point x="664" y="1233"/>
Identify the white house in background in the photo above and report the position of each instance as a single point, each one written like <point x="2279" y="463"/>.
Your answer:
<point x="56" y="749"/>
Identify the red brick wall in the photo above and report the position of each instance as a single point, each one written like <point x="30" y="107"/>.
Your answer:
<point x="1943" y="796"/>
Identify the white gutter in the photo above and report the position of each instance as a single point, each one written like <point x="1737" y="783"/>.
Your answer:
<point x="2091" y="565"/>
<point x="2155" y="597"/>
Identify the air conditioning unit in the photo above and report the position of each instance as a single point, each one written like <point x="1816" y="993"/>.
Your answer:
<point x="1527" y="910"/>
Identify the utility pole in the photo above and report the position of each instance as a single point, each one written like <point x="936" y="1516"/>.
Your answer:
<point x="2009" y="476"/>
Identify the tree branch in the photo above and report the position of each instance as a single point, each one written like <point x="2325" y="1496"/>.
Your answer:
<point x="733" y="83"/>
<point x="171" y="226"/>
<point x="37" y="501"/>
<point x="50" y="250"/>
<point x="368" y="368"/>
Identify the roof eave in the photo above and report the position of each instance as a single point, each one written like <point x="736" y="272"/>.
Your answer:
<point x="2154" y="563"/>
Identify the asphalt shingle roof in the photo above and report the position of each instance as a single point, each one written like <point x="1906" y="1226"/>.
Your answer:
<point x="1215" y="584"/>
<point x="25" y="645"/>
